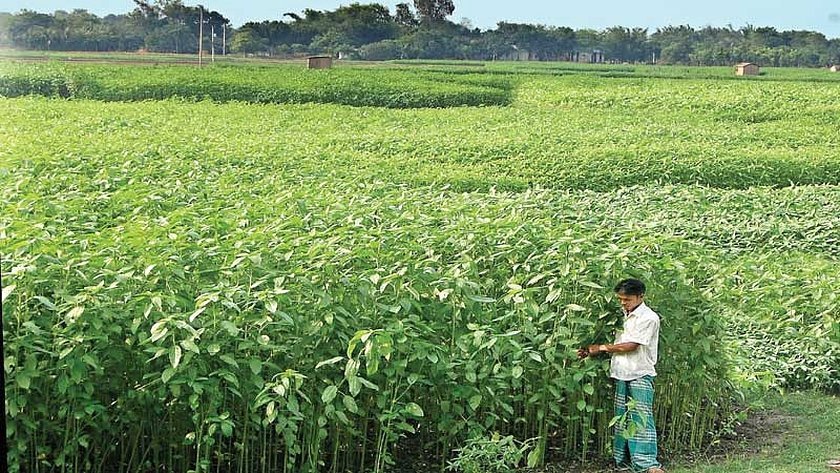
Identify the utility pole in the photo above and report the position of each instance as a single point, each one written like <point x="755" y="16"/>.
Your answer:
<point x="200" y="32"/>
<point x="224" y="38"/>
<point x="213" y="43"/>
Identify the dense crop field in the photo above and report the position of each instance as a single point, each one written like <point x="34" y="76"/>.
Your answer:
<point x="260" y="84"/>
<point x="215" y="281"/>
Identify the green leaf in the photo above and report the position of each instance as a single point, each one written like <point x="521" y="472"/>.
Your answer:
<point x="7" y="291"/>
<point x="255" y="365"/>
<point x="75" y="312"/>
<point x="350" y="404"/>
<point x="351" y="368"/>
<point x="481" y="299"/>
<point x="230" y="327"/>
<point x="471" y="377"/>
<point x="190" y="345"/>
<point x="534" y="457"/>
<point x="227" y="428"/>
<point x="229" y="360"/>
<point x="270" y="412"/>
<point x="517" y="372"/>
<point x="589" y="389"/>
<point x="406" y="427"/>
<point x="355" y="385"/>
<point x="159" y="330"/>
<point x="47" y="303"/>
<point x="331" y="361"/>
<point x="372" y="366"/>
<point x="23" y="380"/>
<point x="167" y="374"/>
<point x="175" y="356"/>
<point x="342" y="417"/>
<point x="196" y="313"/>
<point x="581" y="405"/>
<point x="475" y="401"/>
<point x="414" y="409"/>
<point x="360" y="335"/>
<point x="368" y="384"/>
<point x="329" y="394"/>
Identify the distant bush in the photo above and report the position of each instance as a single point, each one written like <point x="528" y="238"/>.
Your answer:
<point x="382" y="51"/>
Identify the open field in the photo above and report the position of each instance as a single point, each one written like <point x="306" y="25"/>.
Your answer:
<point x="264" y="268"/>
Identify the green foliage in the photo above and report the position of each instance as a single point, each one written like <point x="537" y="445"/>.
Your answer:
<point x="311" y="312"/>
<point x="496" y="454"/>
<point x="781" y="310"/>
<point x="627" y="424"/>
<point x="34" y="80"/>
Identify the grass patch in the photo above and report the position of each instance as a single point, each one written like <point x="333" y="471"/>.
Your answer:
<point x="801" y="434"/>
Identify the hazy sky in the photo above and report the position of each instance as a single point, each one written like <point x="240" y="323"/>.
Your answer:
<point x="816" y="15"/>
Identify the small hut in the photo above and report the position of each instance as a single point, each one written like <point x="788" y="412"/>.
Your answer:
<point x="319" y="62"/>
<point x="746" y="69"/>
<point x="834" y="68"/>
<point x="594" y="57"/>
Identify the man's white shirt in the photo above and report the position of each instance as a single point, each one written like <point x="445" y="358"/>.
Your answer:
<point x="640" y="326"/>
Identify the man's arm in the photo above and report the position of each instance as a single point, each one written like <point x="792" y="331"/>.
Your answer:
<point x="625" y="347"/>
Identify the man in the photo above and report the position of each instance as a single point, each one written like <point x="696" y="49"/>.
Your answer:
<point x="634" y="356"/>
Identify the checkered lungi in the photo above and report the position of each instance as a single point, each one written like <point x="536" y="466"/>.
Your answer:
<point x="638" y="452"/>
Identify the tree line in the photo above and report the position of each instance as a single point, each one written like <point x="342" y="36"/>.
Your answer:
<point x="419" y="30"/>
<point x="162" y="26"/>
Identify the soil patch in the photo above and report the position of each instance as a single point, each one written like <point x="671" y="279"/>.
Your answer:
<point x="758" y="432"/>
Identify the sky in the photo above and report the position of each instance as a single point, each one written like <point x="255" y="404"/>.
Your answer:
<point x="813" y="15"/>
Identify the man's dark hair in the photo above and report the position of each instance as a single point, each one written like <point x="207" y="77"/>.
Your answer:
<point x="631" y="287"/>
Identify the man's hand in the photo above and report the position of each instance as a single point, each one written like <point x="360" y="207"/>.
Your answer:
<point x="591" y="350"/>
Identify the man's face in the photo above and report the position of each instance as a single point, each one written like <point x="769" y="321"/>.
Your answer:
<point x="629" y="302"/>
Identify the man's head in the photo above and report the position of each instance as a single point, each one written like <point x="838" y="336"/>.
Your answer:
<point x="630" y="293"/>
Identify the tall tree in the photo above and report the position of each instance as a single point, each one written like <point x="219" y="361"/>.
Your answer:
<point x="361" y="24"/>
<point x="404" y="16"/>
<point x="30" y="29"/>
<point x="674" y="44"/>
<point x="434" y="11"/>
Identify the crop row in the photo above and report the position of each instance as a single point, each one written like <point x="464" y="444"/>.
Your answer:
<point x="768" y="74"/>
<point x="571" y="146"/>
<point x="279" y="84"/>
